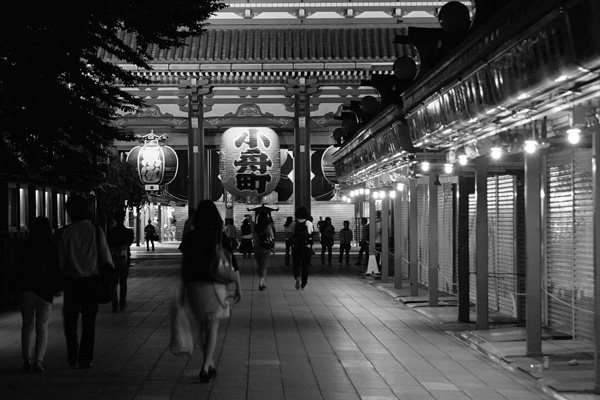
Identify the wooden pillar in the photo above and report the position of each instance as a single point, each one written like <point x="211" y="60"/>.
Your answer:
<point x="385" y="243"/>
<point x="481" y="242"/>
<point x="596" y="255"/>
<point x="464" y="188"/>
<point x="398" y="255"/>
<point x="433" y="241"/>
<point x="413" y="237"/>
<point x="533" y="256"/>
<point x="301" y="88"/>
<point x="372" y="216"/>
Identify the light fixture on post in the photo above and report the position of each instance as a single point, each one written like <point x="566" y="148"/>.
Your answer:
<point x="392" y="194"/>
<point x="400" y="186"/>
<point x="448" y="168"/>
<point x="577" y="121"/>
<point x="530" y="146"/>
<point x="496" y="152"/>
<point x="425" y="165"/>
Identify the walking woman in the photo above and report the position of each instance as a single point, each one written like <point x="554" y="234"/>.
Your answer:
<point x="38" y="279"/>
<point x="246" y="246"/>
<point x="206" y="297"/>
<point x="265" y="242"/>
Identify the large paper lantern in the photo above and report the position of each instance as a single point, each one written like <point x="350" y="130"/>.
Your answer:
<point x="327" y="165"/>
<point x="249" y="161"/>
<point x="156" y="163"/>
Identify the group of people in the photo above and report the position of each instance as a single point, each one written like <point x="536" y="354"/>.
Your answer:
<point x="67" y="262"/>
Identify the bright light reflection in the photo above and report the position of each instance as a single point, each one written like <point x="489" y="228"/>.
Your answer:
<point x="448" y="168"/>
<point x="530" y="146"/>
<point x="462" y="159"/>
<point x="573" y="135"/>
<point x="425" y="166"/>
<point x="496" y="152"/>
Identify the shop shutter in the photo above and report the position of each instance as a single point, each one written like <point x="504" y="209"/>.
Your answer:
<point x="569" y="243"/>
<point x="505" y="275"/>
<point x="423" y="212"/>
<point x="404" y="209"/>
<point x="502" y="266"/>
<point x="446" y="279"/>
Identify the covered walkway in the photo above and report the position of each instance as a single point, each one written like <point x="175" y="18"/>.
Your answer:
<point x="342" y="338"/>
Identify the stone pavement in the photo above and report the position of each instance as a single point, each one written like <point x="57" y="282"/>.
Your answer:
<point x="342" y="338"/>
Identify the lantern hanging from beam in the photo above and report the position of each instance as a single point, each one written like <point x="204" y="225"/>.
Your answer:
<point x="156" y="163"/>
<point x="249" y="161"/>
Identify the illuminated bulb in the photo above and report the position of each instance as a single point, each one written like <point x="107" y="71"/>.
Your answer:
<point x="392" y="194"/>
<point x="573" y="135"/>
<point x="400" y="186"/>
<point x="361" y="190"/>
<point x="463" y="159"/>
<point x="375" y="195"/>
<point x="448" y="168"/>
<point x="425" y="166"/>
<point x="496" y="152"/>
<point x="367" y="191"/>
<point x="349" y="200"/>
<point x="530" y="146"/>
<point x="382" y="194"/>
<point x="344" y="198"/>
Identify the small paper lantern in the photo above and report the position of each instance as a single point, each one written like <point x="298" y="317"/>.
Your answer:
<point x="156" y="163"/>
<point x="249" y="161"/>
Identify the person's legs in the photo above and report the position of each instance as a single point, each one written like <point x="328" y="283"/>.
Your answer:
<point x="261" y="262"/>
<point x="211" y="329"/>
<point x="152" y="240"/>
<point x="147" y="244"/>
<point x="89" y="310"/>
<point x="70" y="313"/>
<point x="306" y="255"/>
<point x="42" y="313"/>
<point x="329" y="251"/>
<point x="27" y="305"/>
<point x="323" y="249"/>
<point x="123" y="275"/>
<point x="288" y="249"/>
<point x="297" y="260"/>
<point x="347" y="250"/>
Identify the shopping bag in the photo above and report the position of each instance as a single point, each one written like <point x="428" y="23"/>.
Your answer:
<point x="181" y="343"/>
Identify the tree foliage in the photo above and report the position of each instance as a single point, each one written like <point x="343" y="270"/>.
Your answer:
<point x="58" y="96"/>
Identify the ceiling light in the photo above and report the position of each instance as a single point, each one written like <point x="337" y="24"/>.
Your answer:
<point x="463" y="159"/>
<point x="425" y="166"/>
<point x="400" y="186"/>
<point x="392" y="194"/>
<point x="448" y="168"/>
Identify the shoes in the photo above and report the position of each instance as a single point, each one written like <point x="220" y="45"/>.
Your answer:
<point x="303" y="287"/>
<point x="115" y="310"/>
<point x="85" y="366"/>
<point x="26" y="365"/>
<point x="297" y="283"/>
<point x="38" y="367"/>
<point x="123" y="307"/>
<point x="204" y="377"/>
<point x="212" y="372"/>
<point x="262" y="287"/>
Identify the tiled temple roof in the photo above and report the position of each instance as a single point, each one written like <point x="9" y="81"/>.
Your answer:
<point x="279" y="45"/>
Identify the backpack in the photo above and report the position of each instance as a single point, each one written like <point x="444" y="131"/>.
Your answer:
<point x="266" y="241"/>
<point x="301" y="238"/>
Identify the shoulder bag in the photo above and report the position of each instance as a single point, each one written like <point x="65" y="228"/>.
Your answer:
<point x="221" y="266"/>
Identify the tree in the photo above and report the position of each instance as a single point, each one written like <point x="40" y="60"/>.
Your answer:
<point x="58" y="96"/>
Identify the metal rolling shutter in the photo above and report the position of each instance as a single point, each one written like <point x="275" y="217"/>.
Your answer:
<point x="446" y="281"/>
<point x="505" y="259"/>
<point x="502" y="268"/>
<point x="569" y="264"/>
<point x="472" y="253"/>
<point x="423" y="212"/>
<point x="404" y="207"/>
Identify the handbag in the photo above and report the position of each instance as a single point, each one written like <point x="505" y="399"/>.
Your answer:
<point x="266" y="241"/>
<point x="106" y="277"/>
<point x="181" y="342"/>
<point x="221" y="266"/>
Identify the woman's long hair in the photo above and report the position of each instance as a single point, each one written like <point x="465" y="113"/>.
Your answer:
<point x="208" y="219"/>
<point x="262" y="222"/>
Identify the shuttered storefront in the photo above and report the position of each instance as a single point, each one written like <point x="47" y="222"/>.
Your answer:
<point x="569" y="242"/>
<point x="423" y="212"/>
<point x="447" y="277"/>
<point x="404" y="207"/>
<point x="502" y="234"/>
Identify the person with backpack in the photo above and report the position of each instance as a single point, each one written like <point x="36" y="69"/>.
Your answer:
<point x="302" y="230"/>
<point x="265" y="242"/>
<point x="327" y="236"/>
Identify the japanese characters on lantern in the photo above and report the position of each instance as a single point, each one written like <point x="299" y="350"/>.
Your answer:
<point x="156" y="163"/>
<point x="249" y="161"/>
